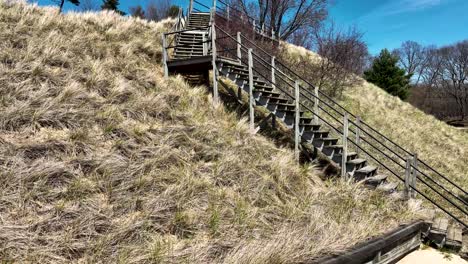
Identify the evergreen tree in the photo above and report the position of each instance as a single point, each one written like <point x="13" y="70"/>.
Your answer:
<point x="112" y="5"/>
<point x="386" y="74"/>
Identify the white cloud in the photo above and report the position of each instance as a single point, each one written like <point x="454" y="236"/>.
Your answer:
<point x="396" y="7"/>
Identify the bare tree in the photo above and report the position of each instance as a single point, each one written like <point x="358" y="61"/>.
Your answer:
<point x="158" y="9"/>
<point x="62" y="2"/>
<point x="286" y="17"/>
<point x="444" y="77"/>
<point x="344" y="56"/>
<point x="137" y="11"/>
<point x="454" y="77"/>
<point x="413" y="58"/>
<point x="89" y="5"/>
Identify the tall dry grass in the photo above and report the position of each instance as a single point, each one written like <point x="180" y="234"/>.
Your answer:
<point x="104" y="161"/>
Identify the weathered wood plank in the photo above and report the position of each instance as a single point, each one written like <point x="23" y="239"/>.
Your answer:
<point x="454" y="240"/>
<point x="438" y="232"/>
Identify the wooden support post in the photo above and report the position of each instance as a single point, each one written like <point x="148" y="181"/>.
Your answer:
<point x="251" y="97"/>
<point x="296" y="121"/>
<point x="273" y="77"/>
<point x="254" y="26"/>
<point x="214" y="6"/>
<point x="273" y="121"/>
<point x="215" y="70"/>
<point x="228" y="13"/>
<point x="408" y="177"/>
<point x="344" y="153"/>
<point x="205" y="48"/>
<point x="263" y="29"/>
<point x="358" y="134"/>
<point x="316" y="106"/>
<point x="164" y="57"/>
<point x="414" y="176"/>
<point x="189" y="11"/>
<point x="239" y="50"/>
<point x="272" y="33"/>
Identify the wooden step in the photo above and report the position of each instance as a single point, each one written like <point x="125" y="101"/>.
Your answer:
<point x="332" y="149"/>
<point x="365" y="172"/>
<point x="454" y="239"/>
<point x="376" y="180"/>
<point x="285" y="106"/>
<point x="325" y="141"/>
<point x="388" y="187"/>
<point x="438" y="231"/>
<point x="349" y="156"/>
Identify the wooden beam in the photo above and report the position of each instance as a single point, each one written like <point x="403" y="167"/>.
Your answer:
<point x="344" y="153"/>
<point x="273" y="73"/>
<point x="297" y="120"/>
<point x="215" y="70"/>
<point x="164" y="57"/>
<point x="358" y="134"/>
<point x="414" y="175"/>
<point x="251" y="97"/>
<point x="239" y="51"/>
<point x="408" y="178"/>
<point x="316" y="106"/>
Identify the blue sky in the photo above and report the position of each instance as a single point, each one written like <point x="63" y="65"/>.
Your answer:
<point x="387" y="23"/>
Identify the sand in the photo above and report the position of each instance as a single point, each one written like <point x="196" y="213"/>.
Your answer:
<point x="432" y="256"/>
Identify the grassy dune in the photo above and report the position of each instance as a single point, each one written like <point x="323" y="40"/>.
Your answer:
<point x="440" y="145"/>
<point x="104" y="161"/>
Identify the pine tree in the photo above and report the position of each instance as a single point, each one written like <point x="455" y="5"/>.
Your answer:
<point x="386" y="74"/>
<point x="112" y="5"/>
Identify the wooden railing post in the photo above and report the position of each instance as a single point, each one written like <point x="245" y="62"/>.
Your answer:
<point x="254" y="26"/>
<point x="297" y="120"/>
<point x="414" y="176"/>
<point x="344" y="153"/>
<point x="205" y="48"/>
<point x="316" y="106"/>
<point x="239" y="50"/>
<point x="251" y="97"/>
<point x="273" y="73"/>
<point x="190" y="8"/>
<point x="358" y="134"/>
<point x="215" y="70"/>
<point x="272" y="33"/>
<point x="408" y="178"/>
<point x="164" y="57"/>
<point x="228" y="13"/>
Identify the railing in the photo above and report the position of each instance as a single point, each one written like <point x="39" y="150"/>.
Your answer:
<point x="180" y="21"/>
<point x="232" y="16"/>
<point x="362" y="128"/>
<point x="363" y="138"/>
<point x="170" y="42"/>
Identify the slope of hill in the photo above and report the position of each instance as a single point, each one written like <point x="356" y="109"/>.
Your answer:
<point x="102" y="160"/>
<point x="440" y="145"/>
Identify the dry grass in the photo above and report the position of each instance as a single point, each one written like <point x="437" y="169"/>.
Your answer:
<point x="103" y="161"/>
<point x="440" y="145"/>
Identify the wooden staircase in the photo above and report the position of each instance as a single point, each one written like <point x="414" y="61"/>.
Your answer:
<point x="193" y="53"/>
<point x="283" y="108"/>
